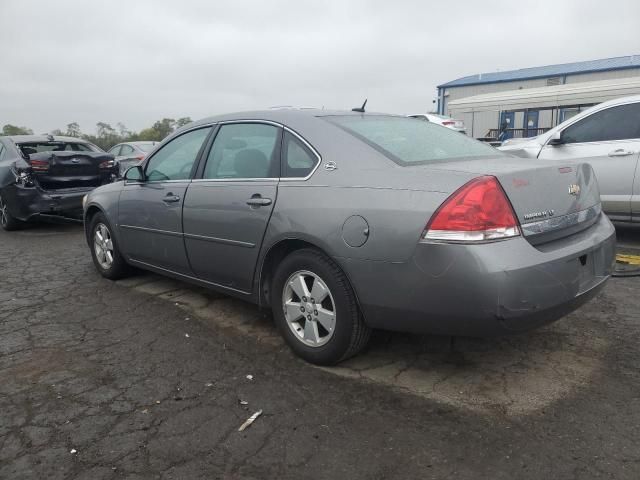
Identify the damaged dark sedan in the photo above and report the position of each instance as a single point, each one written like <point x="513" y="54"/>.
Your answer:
<point x="43" y="175"/>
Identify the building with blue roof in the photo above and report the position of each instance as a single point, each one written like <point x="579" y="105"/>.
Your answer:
<point x="534" y="119"/>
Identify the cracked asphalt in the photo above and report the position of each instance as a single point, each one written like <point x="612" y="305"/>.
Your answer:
<point x="144" y="378"/>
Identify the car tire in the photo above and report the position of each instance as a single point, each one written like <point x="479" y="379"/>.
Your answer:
<point x="305" y="323"/>
<point x="7" y="221"/>
<point x="105" y="253"/>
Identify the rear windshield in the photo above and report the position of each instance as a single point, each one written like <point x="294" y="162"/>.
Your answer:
<point x="37" y="147"/>
<point x="145" y="147"/>
<point x="408" y="141"/>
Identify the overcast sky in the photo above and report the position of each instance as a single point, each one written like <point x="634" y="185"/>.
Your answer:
<point x="138" y="61"/>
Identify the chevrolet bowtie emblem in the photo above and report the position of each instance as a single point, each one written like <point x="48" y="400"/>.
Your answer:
<point x="574" y="189"/>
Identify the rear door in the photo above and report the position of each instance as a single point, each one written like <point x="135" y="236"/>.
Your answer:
<point x="609" y="140"/>
<point x="227" y="210"/>
<point x="150" y="211"/>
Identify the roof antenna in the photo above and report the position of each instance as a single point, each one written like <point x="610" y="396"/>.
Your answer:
<point x="360" y="109"/>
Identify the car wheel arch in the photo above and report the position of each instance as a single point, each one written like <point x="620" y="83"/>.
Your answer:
<point x="278" y="251"/>
<point x="92" y="211"/>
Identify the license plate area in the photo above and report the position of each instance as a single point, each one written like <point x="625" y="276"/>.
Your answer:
<point x="586" y="272"/>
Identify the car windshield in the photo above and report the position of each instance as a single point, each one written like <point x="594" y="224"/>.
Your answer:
<point x="408" y="141"/>
<point x="145" y="147"/>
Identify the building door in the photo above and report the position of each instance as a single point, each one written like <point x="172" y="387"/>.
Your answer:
<point x="507" y="122"/>
<point x="531" y="123"/>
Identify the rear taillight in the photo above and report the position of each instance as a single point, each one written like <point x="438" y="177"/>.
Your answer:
<point x="39" y="165"/>
<point x="140" y="157"/>
<point x="106" y="164"/>
<point x="479" y="211"/>
<point x="448" y="122"/>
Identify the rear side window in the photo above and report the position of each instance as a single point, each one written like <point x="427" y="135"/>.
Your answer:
<point x="126" y="150"/>
<point x="115" y="150"/>
<point x="244" y="150"/>
<point x="615" y="123"/>
<point x="298" y="160"/>
<point x="146" y="147"/>
<point x="2" y="151"/>
<point x="409" y="141"/>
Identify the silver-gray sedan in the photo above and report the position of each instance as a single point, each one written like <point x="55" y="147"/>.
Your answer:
<point x="342" y="222"/>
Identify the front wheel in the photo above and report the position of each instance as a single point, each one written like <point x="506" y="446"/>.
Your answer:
<point x="315" y="309"/>
<point x="104" y="249"/>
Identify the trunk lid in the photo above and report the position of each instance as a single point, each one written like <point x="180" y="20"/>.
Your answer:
<point x="551" y="200"/>
<point x="69" y="169"/>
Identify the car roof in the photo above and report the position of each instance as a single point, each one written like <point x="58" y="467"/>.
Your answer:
<point x="43" y="138"/>
<point x="285" y="116"/>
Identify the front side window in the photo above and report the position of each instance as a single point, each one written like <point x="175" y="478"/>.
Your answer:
<point x="175" y="160"/>
<point x="615" y="123"/>
<point x="299" y="161"/>
<point x="408" y="141"/>
<point x="244" y="150"/>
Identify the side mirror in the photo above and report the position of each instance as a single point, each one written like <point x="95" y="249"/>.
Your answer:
<point x="135" y="174"/>
<point x="556" y="139"/>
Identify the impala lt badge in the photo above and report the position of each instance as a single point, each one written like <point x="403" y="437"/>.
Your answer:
<point x="537" y="215"/>
<point x="574" y="189"/>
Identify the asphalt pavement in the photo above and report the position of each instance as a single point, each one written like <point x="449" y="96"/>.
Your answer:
<point x="151" y="378"/>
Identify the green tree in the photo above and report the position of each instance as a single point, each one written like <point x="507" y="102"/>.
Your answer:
<point x="73" y="130"/>
<point x="149" y="135"/>
<point x="181" y="122"/>
<point x="164" y="127"/>
<point x="9" y="129"/>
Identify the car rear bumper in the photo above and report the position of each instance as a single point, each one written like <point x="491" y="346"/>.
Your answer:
<point x="488" y="289"/>
<point x="27" y="202"/>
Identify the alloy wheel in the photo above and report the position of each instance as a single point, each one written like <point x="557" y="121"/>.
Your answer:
<point x="309" y="308"/>
<point x="103" y="246"/>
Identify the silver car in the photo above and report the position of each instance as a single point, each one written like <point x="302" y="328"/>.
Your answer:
<point x="342" y="222"/>
<point x="129" y="154"/>
<point x="608" y="137"/>
<point x="453" y="124"/>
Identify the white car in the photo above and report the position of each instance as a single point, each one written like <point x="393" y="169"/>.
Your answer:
<point x="453" y="124"/>
<point x="608" y="137"/>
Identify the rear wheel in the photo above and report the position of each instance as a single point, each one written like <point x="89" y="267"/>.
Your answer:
<point x="104" y="249"/>
<point x="7" y="221"/>
<point x="315" y="309"/>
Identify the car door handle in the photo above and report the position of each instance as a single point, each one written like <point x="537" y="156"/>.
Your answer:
<point x="621" y="152"/>
<point x="171" y="198"/>
<point x="258" y="201"/>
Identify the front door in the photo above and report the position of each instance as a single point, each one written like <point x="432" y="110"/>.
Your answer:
<point x="507" y="123"/>
<point x="227" y="210"/>
<point x="150" y="211"/>
<point x="609" y="140"/>
<point x="531" y="123"/>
